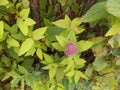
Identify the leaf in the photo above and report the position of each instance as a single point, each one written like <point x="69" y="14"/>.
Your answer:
<point x="62" y="2"/>
<point x="76" y="29"/>
<point x="31" y="51"/>
<point x="29" y="21"/>
<point x="48" y="58"/>
<point x="29" y="79"/>
<point x="84" y="45"/>
<point x="26" y="3"/>
<point x="79" y="74"/>
<point x="99" y="63"/>
<point x="38" y="33"/>
<point x="64" y="62"/>
<point x="62" y="41"/>
<point x="6" y="60"/>
<point x="70" y="66"/>
<point x="76" y="21"/>
<point x="60" y="74"/>
<point x="3" y="2"/>
<point x="23" y="27"/>
<point x="12" y="42"/>
<point x="63" y="23"/>
<point x="47" y="22"/>
<point x="79" y="62"/>
<point x="43" y="4"/>
<point x="14" y="82"/>
<point x="22" y="84"/>
<point x="5" y="77"/>
<point x="27" y="63"/>
<point x="113" y="7"/>
<point x="1" y="29"/>
<point x="52" y="72"/>
<point x="113" y="30"/>
<point x="14" y="29"/>
<point x="70" y="73"/>
<point x="96" y="12"/>
<point x="26" y="45"/>
<point x="22" y="70"/>
<point x="24" y="13"/>
<point x="57" y="46"/>
<point x="39" y="53"/>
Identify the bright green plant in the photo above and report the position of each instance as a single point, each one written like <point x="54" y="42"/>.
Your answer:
<point x="52" y="57"/>
<point x="21" y="46"/>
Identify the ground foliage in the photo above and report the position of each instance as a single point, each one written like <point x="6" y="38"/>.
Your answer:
<point x="59" y="44"/>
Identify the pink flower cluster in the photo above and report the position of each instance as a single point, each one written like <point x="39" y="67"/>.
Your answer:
<point x="71" y="49"/>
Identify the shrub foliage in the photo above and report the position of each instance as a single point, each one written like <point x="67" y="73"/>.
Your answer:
<point x="53" y="45"/>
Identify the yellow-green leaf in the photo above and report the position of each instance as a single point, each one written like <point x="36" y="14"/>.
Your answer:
<point x="23" y="28"/>
<point x="113" y="30"/>
<point x="26" y="45"/>
<point x="79" y="74"/>
<point x="39" y="53"/>
<point x="52" y="72"/>
<point x="38" y="33"/>
<point x="1" y="29"/>
<point x="12" y="42"/>
<point x="3" y="2"/>
<point x="29" y="21"/>
<point x="63" y="23"/>
<point x="24" y="13"/>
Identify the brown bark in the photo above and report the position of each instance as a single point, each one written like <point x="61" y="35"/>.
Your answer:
<point x="34" y="5"/>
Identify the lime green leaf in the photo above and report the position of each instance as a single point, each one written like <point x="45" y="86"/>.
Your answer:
<point x="76" y="21"/>
<point x="6" y="76"/>
<point x="70" y="73"/>
<point x="1" y="29"/>
<point x="79" y="62"/>
<point x="113" y="7"/>
<point x="48" y="58"/>
<point x="21" y="70"/>
<point x="29" y="79"/>
<point x="24" y="13"/>
<point x="70" y="66"/>
<point x="6" y="60"/>
<point x="57" y="46"/>
<point x="14" y="82"/>
<point x="96" y="12"/>
<point x="39" y="53"/>
<point x="26" y="3"/>
<point x="26" y="45"/>
<point x="114" y="30"/>
<point x="23" y="27"/>
<point x="64" y="62"/>
<point x="14" y="29"/>
<point x="22" y="84"/>
<point x="52" y="72"/>
<point x="63" y="23"/>
<point x="62" y="2"/>
<point x="38" y="33"/>
<point x="3" y="2"/>
<point x="76" y="29"/>
<point x="31" y="51"/>
<point x="29" y="21"/>
<point x="84" y="45"/>
<point x="62" y="41"/>
<point x="12" y="42"/>
<point x="79" y="74"/>
<point x="47" y="67"/>
<point x="60" y="74"/>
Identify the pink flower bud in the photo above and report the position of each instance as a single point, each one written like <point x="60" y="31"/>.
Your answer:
<point x="71" y="49"/>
